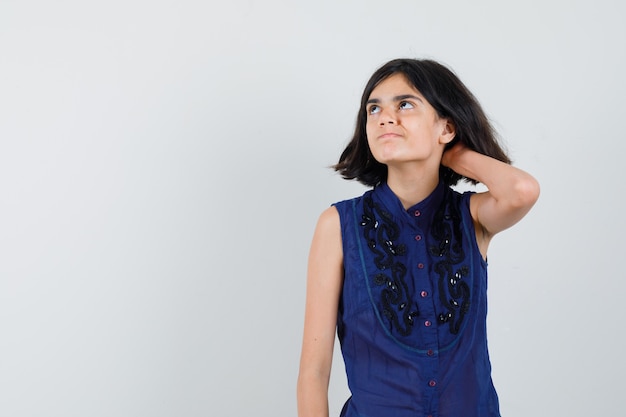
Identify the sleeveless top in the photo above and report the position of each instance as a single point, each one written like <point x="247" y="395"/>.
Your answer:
<point x="413" y="309"/>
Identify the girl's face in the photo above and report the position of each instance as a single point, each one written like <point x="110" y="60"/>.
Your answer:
<point x="402" y="126"/>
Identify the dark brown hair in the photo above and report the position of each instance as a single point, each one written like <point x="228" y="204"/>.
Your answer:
<point x="448" y="96"/>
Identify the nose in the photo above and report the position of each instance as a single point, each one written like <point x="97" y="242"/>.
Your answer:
<point x="387" y="117"/>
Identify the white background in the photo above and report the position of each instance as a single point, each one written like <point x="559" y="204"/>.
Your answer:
<point x="163" y="164"/>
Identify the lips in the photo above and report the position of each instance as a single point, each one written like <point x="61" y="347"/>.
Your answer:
<point x="388" y="135"/>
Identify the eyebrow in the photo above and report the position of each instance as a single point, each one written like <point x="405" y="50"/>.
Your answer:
<point x="396" y="98"/>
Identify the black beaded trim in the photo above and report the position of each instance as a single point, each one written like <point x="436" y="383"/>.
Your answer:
<point x="454" y="292"/>
<point x="381" y="233"/>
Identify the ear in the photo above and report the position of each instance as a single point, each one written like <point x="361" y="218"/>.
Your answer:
<point x="448" y="132"/>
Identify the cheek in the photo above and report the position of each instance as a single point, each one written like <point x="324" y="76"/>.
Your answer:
<point x="368" y="129"/>
<point x="369" y="145"/>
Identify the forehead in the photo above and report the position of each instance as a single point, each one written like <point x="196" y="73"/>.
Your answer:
<point x="393" y="85"/>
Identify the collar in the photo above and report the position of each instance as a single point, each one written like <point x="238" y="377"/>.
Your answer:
<point x="422" y="212"/>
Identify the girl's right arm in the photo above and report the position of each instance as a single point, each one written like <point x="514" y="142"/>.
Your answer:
<point x="324" y="282"/>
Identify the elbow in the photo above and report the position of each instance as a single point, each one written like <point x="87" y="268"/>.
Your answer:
<point x="526" y="191"/>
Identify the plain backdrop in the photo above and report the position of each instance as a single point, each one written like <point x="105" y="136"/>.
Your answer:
<point x="163" y="164"/>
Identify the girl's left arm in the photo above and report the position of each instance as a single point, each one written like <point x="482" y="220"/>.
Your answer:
<point x="511" y="191"/>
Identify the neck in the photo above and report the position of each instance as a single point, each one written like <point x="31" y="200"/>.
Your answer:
<point x="411" y="187"/>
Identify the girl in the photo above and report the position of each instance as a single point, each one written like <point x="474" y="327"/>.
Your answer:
<point x="401" y="271"/>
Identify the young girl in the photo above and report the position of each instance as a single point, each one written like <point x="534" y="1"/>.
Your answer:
<point x="401" y="271"/>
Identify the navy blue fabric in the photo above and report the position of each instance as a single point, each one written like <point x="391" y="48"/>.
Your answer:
<point x="412" y="314"/>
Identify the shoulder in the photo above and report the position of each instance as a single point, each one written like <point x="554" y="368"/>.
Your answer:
<point x="461" y="200"/>
<point x="327" y="246"/>
<point x="329" y="218"/>
<point x="350" y="201"/>
<point x="328" y="229"/>
<point x="344" y="206"/>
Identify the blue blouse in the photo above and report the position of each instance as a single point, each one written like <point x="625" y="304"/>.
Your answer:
<point x="412" y="314"/>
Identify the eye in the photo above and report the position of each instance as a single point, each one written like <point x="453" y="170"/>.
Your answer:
<point x="373" y="109"/>
<point x="406" y="105"/>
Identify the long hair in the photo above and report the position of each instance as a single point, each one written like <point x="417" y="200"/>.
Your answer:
<point x="450" y="98"/>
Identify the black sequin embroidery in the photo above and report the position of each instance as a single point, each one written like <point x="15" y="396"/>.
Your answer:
<point x="381" y="234"/>
<point x="447" y="238"/>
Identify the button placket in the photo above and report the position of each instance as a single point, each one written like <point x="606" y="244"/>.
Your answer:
<point x="428" y="322"/>
<point x="420" y="266"/>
